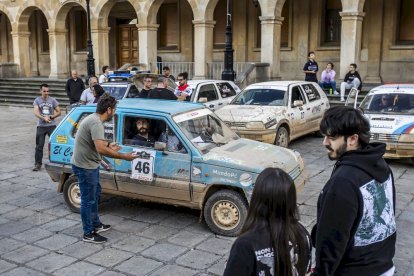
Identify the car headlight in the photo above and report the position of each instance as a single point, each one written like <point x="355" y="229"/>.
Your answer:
<point x="406" y="138"/>
<point x="255" y="125"/>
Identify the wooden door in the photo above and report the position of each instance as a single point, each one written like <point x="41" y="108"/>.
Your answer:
<point x="127" y="44"/>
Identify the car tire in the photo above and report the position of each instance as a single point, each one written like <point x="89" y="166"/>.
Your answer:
<point x="71" y="194"/>
<point x="282" y="137"/>
<point x="225" y="212"/>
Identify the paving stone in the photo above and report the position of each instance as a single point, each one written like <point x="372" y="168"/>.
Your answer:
<point x="164" y="251"/>
<point x="198" y="259"/>
<point x="138" y="266"/>
<point x="25" y="254"/>
<point x="56" y="242"/>
<point x="23" y="271"/>
<point x="80" y="249"/>
<point x="215" y="245"/>
<point x="4" y="208"/>
<point x="39" y="218"/>
<point x="80" y="269"/>
<point x="13" y="227"/>
<point x="158" y="232"/>
<point x="133" y="243"/>
<point x="130" y="226"/>
<point x="109" y="257"/>
<point x="111" y="273"/>
<point x="199" y="227"/>
<point x="4" y="176"/>
<point x="8" y="244"/>
<point x="179" y="221"/>
<point x="219" y="267"/>
<point x="59" y="224"/>
<point x="42" y="205"/>
<point x="19" y="213"/>
<point x="4" y="266"/>
<point x="152" y="216"/>
<point x="188" y="239"/>
<point x="173" y="270"/>
<point x="307" y="210"/>
<point x="51" y="262"/>
<point x="407" y="215"/>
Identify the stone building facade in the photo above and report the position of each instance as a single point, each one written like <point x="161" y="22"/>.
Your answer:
<point x="48" y="38"/>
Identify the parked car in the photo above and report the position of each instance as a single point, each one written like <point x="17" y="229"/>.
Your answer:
<point x="213" y="93"/>
<point x="390" y="110"/>
<point x="276" y="112"/>
<point x="197" y="161"/>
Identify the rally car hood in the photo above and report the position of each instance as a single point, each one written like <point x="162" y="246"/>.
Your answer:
<point x="391" y="124"/>
<point x="248" y="113"/>
<point x="253" y="156"/>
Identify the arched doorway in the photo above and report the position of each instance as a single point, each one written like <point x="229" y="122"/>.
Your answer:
<point x="39" y="44"/>
<point x="6" y="43"/>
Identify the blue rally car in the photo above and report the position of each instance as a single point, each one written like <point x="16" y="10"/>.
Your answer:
<point x="191" y="158"/>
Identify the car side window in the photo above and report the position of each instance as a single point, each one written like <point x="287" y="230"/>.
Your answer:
<point x="133" y="92"/>
<point x="108" y="126"/>
<point x="296" y="96"/>
<point x="144" y="132"/>
<point x="226" y="90"/>
<point x="208" y="91"/>
<point x="311" y="92"/>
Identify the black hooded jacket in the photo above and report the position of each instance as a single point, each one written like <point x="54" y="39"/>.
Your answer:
<point x="355" y="232"/>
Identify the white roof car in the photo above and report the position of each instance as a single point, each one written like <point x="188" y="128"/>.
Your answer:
<point x="213" y="93"/>
<point x="390" y="110"/>
<point x="276" y="112"/>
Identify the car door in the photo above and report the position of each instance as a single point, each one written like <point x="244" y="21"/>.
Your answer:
<point x="297" y="114"/>
<point x="315" y="108"/>
<point x="226" y="94"/>
<point x="154" y="173"/>
<point x="209" y="91"/>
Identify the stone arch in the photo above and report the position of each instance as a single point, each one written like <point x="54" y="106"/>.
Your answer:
<point x="61" y="14"/>
<point x="6" y="44"/>
<point x="103" y="9"/>
<point x="6" y="12"/>
<point x="26" y="11"/>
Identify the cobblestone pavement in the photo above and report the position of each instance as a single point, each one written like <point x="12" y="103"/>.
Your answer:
<point x="39" y="235"/>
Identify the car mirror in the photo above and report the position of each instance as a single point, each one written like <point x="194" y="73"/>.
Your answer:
<point x="297" y="103"/>
<point x="161" y="146"/>
<point x="202" y="100"/>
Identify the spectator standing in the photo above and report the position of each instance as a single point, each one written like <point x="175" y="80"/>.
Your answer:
<point x="183" y="90"/>
<point x="311" y="68"/>
<point x="88" y="96"/>
<point x="90" y="144"/>
<point x="328" y="78"/>
<point x="273" y="242"/>
<point x="161" y="92"/>
<point x="355" y="232"/>
<point x="98" y="91"/>
<point x="147" y="88"/>
<point x="105" y="73"/>
<point x="74" y="87"/>
<point x="167" y="73"/>
<point x="46" y="109"/>
<point x="352" y="80"/>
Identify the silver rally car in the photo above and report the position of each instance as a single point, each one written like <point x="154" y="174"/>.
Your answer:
<point x="276" y="112"/>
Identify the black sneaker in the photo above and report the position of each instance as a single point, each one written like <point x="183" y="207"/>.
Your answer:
<point x="102" y="228"/>
<point x="94" y="238"/>
<point x="37" y="167"/>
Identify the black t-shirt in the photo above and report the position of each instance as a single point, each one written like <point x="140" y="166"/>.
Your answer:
<point x="311" y="66"/>
<point x="138" y="140"/>
<point x="144" y="93"/>
<point x="252" y="254"/>
<point x="161" y="93"/>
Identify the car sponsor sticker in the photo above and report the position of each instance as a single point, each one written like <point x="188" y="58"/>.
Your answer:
<point x="142" y="168"/>
<point x="62" y="139"/>
<point x="191" y="115"/>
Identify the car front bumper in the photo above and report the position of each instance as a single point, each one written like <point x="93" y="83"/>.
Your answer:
<point x="396" y="150"/>
<point x="265" y="136"/>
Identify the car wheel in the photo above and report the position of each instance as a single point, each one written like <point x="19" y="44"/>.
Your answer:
<point x="225" y="212"/>
<point x="282" y="137"/>
<point x="71" y="193"/>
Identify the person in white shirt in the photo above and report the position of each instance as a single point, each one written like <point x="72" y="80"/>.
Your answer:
<point x="105" y="73"/>
<point x="87" y="96"/>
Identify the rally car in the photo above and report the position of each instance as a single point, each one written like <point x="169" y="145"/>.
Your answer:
<point x="390" y="110"/>
<point x="276" y="112"/>
<point x="195" y="160"/>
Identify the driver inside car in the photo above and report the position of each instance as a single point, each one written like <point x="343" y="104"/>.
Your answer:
<point x="143" y="137"/>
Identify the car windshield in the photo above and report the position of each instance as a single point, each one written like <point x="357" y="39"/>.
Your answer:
<point x="115" y="90"/>
<point x="398" y="103"/>
<point x="204" y="129"/>
<point x="260" y="96"/>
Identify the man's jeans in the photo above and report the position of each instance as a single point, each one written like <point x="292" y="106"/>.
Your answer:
<point x="348" y="85"/>
<point x="90" y="190"/>
<point x="41" y="133"/>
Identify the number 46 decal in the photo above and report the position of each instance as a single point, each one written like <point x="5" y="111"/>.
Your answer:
<point x="143" y="167"/>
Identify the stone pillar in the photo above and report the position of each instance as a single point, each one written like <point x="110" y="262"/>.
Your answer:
<point x="21" y="46"/>
<point x="351" y="32"/>
<point x="203" y="47"/>
<point x="100" y="41"/>
<point x="270" y="44"/>
<point x="58" y="54"/>
<point x="147" y="45"/>
<point x="374" y="25"/>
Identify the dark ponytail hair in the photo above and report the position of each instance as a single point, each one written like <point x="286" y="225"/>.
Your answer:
<point x="273" y="206"/>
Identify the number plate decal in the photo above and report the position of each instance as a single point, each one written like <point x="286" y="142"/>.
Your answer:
<point x="143" y="166"/>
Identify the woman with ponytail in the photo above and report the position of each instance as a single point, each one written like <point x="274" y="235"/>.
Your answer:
<point x="272" y="241"/>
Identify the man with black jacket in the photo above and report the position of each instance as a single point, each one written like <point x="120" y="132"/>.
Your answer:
<point x="355" y="232"/>
<point x="74" y="88"/>
<point x="352" y="79"/>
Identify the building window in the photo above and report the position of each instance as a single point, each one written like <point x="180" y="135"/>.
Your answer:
<point x="331" y="23"/>
<point x="168" y="33"/>
<point x="405" y="31"/>
<point x="220" y="16"/>
<point x="81" y="37"/>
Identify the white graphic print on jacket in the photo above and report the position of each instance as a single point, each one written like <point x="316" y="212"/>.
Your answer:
<point x="378" y="221"/>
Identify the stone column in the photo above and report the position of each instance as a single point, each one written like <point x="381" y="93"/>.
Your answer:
<point x="147" y="45"/>
<point x="21" y="45"/>
<point x="374" y="24"/>
<point x="351" y="32"/>
<point x="203" y="47"/>
<point x="270" y="44"/>
<point x="100" y="41"/>
<point x="58" y="54"/>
